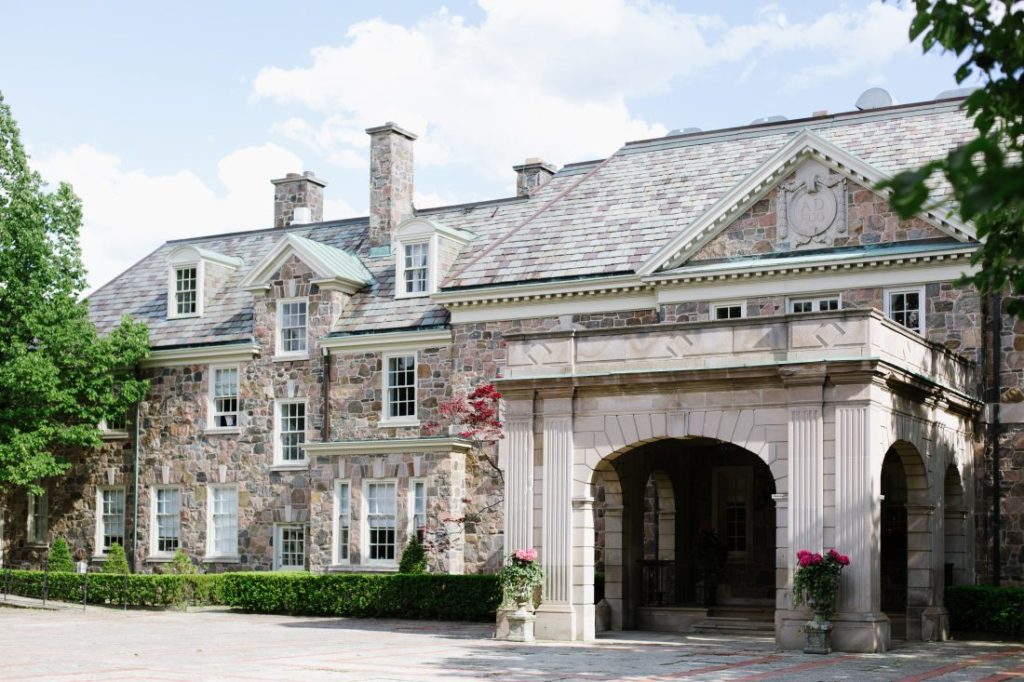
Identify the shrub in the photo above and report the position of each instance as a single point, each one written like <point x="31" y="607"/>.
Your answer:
<point x="181" y="564"/>
<point x="423" y="596"/>
<point x="414" y="558"/>
<point x="59" y="557"/>
<point x="985" y="608"/>
<point x="116" y="561"/>
<point x="107" y="588"/>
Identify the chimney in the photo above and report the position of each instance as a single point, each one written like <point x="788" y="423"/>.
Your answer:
<point x="532" y="175"/>
<point x="390" y="180"/>
<point x="298" y="198"/>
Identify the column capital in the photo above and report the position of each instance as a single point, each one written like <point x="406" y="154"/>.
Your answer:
<point x="583" y="503"/>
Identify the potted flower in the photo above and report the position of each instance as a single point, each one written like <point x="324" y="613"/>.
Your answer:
<point x="816" y="583"/>
<point x="520" y="576"/>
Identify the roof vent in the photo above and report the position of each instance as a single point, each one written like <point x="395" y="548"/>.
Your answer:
<point x="768" y="119"/>
<point x="874" y="98"/>
<point x="302" y="215"/>
<point x="956" y="92"/>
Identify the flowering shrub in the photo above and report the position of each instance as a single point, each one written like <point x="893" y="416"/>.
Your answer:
<point x="817" y="580"/>
<point x="520" y="576"/>
<point x="476" y="413"/>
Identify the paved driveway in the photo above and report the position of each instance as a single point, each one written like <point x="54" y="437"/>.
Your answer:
<point x="108" y="644"/>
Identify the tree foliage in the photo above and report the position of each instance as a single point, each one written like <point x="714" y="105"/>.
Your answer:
<point x="985" y="174"/>
<point x="58" y="378"/>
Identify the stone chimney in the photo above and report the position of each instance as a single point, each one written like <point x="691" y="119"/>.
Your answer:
<point x="390" y="180"/>
<point x="298" y="193"/>
<point x="531" y="175"/>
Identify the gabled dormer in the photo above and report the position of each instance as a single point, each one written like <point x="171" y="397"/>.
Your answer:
<point x="334" y="268"/>
<point x="424" y="251"/>
<point x="193" y="276"/>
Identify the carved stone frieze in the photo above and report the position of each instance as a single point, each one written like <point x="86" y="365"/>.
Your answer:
<point x="812" y="207"/>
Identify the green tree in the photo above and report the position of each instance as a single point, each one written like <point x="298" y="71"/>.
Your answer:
<point x="59" y="557"/>
<point x="414" y="557"/>
<point x="116" y="561"/>
<point x="985" y="174"/>
<point x="58" y="377"/>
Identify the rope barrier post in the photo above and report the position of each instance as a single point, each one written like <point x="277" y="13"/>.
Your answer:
<point x="46" y="580"/>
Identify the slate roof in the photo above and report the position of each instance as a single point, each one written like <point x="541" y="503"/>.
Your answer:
<point x="591" y="219"/>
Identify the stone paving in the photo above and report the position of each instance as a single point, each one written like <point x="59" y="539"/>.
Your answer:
<point x="109" y="644"/>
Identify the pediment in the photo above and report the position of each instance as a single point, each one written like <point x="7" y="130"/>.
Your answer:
<point x="334" y="268"/>
<point x="798" y="199"/>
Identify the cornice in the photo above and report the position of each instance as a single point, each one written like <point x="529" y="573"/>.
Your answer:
<point x="388" y="445"/>
<point x="201" y="355"/>
<point x="388" y="341"/>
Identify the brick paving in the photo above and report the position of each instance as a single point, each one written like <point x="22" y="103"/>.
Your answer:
<point x="108" y="644"/>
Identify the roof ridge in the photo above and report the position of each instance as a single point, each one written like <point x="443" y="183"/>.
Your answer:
<point x="558" y="197"/>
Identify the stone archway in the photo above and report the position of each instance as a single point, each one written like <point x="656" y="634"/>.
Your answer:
<point x="956" y="569"/>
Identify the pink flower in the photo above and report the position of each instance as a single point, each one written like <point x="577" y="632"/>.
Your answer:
<point x="805" y="558"/>
<point x="527" y="555"/>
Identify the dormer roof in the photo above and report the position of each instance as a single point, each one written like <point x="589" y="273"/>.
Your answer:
<point x="334" y="267"/>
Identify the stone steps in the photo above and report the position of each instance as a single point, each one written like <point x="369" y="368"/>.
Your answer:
<point x="735" y="626"/>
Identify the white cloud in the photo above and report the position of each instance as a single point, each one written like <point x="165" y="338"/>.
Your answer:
<point x="553" y="79"/>
<point x="128" y="213"/>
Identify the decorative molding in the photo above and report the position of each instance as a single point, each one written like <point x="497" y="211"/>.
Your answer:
<point x="306" y="251"/>
<point x="388" y="446"/>
<point x="388" y="341"/>
<point x="201" y="355"/>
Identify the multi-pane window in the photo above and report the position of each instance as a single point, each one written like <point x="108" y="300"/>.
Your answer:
<point x="728" y="311"/>
<point x="380" y="521"/>
<point x="186" y="291"/>
<point x="736" y="525"/>
<point x="400" y="387"/>
<point x="118" y="422"/>
<point x="225" y="397"/>
<point x="904" y="307"/>
<point x="733" y="489"/>
<point x="167" y="511"/>
<point x="223" y="530"/>
<point x="292" y="321"/>
<point x="415" y="268"/>
<point x="111" y="518"/>
<point x="418" y="504"/>
<point x="291" y="547"/>
<point x="291" y="432"/>
<point x="343" y="505"/>
<point x="38" y="519"/>
<point x="810" y="305"/>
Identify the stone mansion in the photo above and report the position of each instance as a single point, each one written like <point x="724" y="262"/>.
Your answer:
<point x="725" y="330"/>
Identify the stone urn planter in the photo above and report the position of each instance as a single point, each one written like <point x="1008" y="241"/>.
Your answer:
<point x="818" y="631"/>
<point x="519" y="578"/>
<point x="816" y="583"/>
<point x="521" y="621"/>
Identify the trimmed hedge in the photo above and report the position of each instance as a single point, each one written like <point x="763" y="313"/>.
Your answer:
<point x="108" y="588"/>
<point x="419" y="596"/>
<point x="985" y="608"/>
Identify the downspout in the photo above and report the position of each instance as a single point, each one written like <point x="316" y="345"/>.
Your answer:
<point x="994" y="432"/>
<point x="135" y="491"/>
<point x="325" y="435"/>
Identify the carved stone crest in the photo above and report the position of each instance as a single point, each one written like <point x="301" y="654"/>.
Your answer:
<point x="812" y="208"/>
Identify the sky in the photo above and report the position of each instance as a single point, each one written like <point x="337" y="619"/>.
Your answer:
<point x="170" y="119"/>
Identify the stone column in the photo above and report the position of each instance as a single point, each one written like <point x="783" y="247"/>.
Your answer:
<point x="583" y="569"/>
<point x="614" y="554"/>
<point x="556" y="617"/>
<point x="516" y="455"/>
<point x="805" y="480"/>
<point x="924" y="620"/>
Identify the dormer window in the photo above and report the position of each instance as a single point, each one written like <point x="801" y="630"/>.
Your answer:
<point x="189" y="267"/>
<point x="416" y="269"/>
<point x="186" y="289"/>
<point x="424" y="250"/>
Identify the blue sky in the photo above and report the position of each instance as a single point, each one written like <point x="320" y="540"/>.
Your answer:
<point x="171" y="118"/>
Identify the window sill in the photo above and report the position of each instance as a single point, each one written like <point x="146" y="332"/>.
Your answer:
<point x="298" y="357"/>
<point x="222" y="431"/>
<point x="159" y="559"/>
<point x="291" y="466"/>
<point x="114" y="435"/>
<point x="37" y="545"/>
<point x="221" y="559"/>
<point x="418" y="294"/>
<point x="399" y="422"/>
<point x="372" y="568"/>
<point x="183" y="317"/>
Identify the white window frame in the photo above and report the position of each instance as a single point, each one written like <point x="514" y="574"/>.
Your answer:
<point x="921" y="302"/>
<point x="728" y="304"/>
<point x="405" y="420"/>
<point x="211" y="528"/>
<point x="211" y="425"/>
<point x="279" y="529"/>
<point x="154" y="520"/>
<point x="415" y="486"/>
<point x="419" y="233"/>
<point x="279" y="351"/>
<point x="101" y="525"/>
<point x="815" y="302"/>
<point x="365" y="522"/>
<point x="37" y="523"/>
<point x="172" y="290"/>
<point x="342" y="494"/>
<point x="279" y="460"/>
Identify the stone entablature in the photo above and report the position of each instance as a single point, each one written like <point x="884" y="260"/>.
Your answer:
<point x="781" y="340"/>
